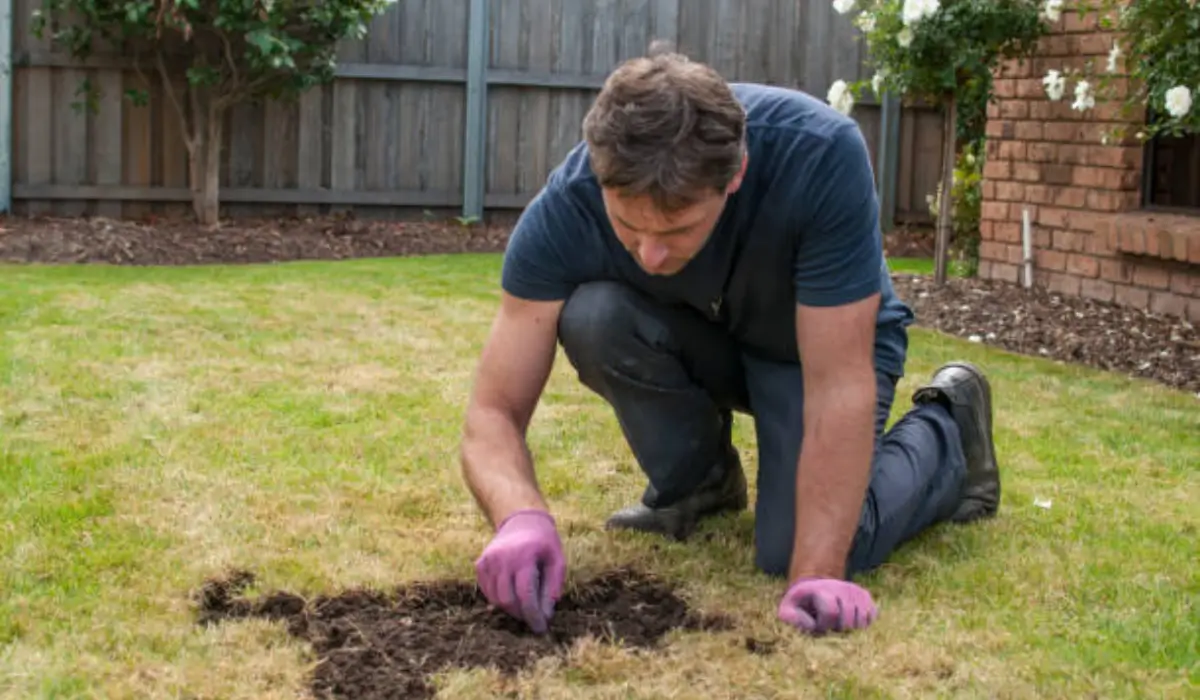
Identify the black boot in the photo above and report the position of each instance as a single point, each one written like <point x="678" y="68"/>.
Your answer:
<point x="723" y="490"/>
<point x="963" y="389"/>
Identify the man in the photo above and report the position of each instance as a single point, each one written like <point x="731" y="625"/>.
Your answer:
<point x="711" y="248"/>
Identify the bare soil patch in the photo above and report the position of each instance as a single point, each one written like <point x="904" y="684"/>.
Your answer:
<point x="1033" y="321"/>
<point x="374" y="644"/>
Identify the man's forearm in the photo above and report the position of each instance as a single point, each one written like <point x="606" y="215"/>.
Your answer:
<point x="833" y="472"/>
<point x="497" y="465"/>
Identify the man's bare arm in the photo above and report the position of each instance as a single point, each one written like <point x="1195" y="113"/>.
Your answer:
<point x="836" y="351"/>
<point x="512" y="372"/>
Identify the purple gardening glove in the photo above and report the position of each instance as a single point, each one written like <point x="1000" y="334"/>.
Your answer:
<point x="819" y="605"/>
<point x="522" y="569"/>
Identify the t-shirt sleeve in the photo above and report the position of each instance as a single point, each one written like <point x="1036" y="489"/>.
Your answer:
<point x="839" y="253"/>
<point x="546" y="252"/>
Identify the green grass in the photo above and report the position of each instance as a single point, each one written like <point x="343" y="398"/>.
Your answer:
<point x="158" y="426"/>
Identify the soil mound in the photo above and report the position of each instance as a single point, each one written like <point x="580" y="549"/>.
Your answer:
<point x="375" y="645"/>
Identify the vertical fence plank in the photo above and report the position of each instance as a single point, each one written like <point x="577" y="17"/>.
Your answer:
<point x="108" y="143"/>
<point x="310" y="144"/>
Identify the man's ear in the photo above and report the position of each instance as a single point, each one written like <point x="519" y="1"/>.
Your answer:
<point x="736" y="182"/>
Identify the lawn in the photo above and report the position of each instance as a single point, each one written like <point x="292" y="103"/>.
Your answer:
<point x="160" y="426"/>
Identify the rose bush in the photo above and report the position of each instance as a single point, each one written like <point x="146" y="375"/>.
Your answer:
<point x="1152" y="69"/>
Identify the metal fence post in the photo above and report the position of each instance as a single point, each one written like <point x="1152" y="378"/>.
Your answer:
<point x="475" y="138"/>
<point x="889" y="156"/>
<point x="6" y="108"/>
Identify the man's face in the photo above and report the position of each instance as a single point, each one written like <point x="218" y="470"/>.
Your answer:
<point x="661" y="242"/>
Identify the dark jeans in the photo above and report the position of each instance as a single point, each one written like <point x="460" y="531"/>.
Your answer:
<point x="673" y="377"/>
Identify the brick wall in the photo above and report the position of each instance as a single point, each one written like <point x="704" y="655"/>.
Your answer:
<point x="1090" y="235"/>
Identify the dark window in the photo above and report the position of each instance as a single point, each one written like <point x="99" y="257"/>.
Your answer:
<point x="1172" y="177"/>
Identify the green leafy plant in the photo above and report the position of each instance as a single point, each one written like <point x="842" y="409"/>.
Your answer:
<point x="966" y="196"/>
<point x="221" y="51"/>
<point x="942" y="52"/>
<point x="1152" y="70"/>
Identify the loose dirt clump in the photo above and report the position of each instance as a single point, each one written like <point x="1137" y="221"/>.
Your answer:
<point x="376" y="645"/>
<point x="1034" y="321"/>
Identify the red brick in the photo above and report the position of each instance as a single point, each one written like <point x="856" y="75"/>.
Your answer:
<point x="1040" y="152"/>
<point x="1185" y="283"/>
<point x="1009" y="150"/>
<point x="1083" y="265"/>
<point x="1096" y="289"/>
<point x="987" y="230"/>
<point x="997" y="170"/>
<point x="1193" y="313"/>
<point x="1004" y="88"/>
<point x="1131" y="296"/>
<point x="1075" y="197"/>
<point x="1039" y="194"/>
<point x="1016" y="211"/>
<point x="1093" y="244"/>
<point x="1006" y="231"/>
<point x="1029" y="131"/>
<point x="988" y="189"/>
<point x="1070" y="241"/>
<point x="996" y="211"/>
<point x="1180" y="245"/>
<point x="1096" y="44"/>
<point x="1115" y="156"/>
<point x="1005" y="272"/>
<point x="1106" y="178"/>
<point x="1014" y="109"/>
<point x="1056" y="174"/>
<point x="1062" y="132"/>
<point x="1132" y="240"/>
<point x="1050" y="259"/>
<point x="1116" y="271"/>
<point x="1010" y="191"/>
<point x="1108" y="200"/>
<point x="1194" y="249"/>
<point x="1015" y="68"/>
<point x="1071" y="154"/>
<point x="1056" y="45"/>
<point x="1152" y="276"/>
<point x="1042" y="238"/>
<point x="993" y="110"/>
<point x="1055" y="217"/>
<point x="1168" y="304"/>
<point x="1027" y="172"/>
<point x="1031" y="88"/>
<point x="994" y="129"/>
<point x="1080" y="22"/>
<point x="1063" y="284"/>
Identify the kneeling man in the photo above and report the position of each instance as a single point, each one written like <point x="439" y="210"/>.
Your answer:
<point x="712" y="248"/>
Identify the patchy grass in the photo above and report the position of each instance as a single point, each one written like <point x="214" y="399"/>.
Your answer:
<point x="158" y="426"/>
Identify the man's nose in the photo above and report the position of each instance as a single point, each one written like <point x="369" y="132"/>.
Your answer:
<point x="653" y="254"/>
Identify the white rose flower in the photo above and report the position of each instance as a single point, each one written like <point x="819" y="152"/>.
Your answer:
<point x="843" y="6"/>
<point x="1179" y="101"/>
<point x="1052" y="10"/>
<point x="1084" y="100"/>
<point x="916" y="10"/>
<point x="840" y="97"/>
<point x="1055" y="85"/>
<point x="877" y="82"/>
<point x="904" y="37"/>
<point x="866" y="22"/>
<point x="1114" y="55"/>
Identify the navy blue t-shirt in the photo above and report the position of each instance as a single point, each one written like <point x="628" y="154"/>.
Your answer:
<point x="803" y="227"/>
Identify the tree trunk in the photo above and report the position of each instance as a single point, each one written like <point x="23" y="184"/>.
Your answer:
<point x="204" y="171"/>
<point x="946" y="205"/>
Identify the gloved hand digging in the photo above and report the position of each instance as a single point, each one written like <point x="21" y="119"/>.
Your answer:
<point x="521" y="571"/>
<point x="820" y="605"/>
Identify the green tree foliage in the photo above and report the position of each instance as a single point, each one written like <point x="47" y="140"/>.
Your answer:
<point x="222" y="51"/>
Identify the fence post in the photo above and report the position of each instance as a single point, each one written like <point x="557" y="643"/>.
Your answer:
<point x="6" y="107"/>
<point x="475" y="138"/>
<point x="889" y="156"/>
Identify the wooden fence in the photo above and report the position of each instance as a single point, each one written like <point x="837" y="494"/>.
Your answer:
<point x="389" y="136"/>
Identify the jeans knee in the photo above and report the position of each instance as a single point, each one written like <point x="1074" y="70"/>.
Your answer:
<point x="597" y="320"/>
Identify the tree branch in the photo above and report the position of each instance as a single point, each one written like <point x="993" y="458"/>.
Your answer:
<point x="169" y="88"/>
